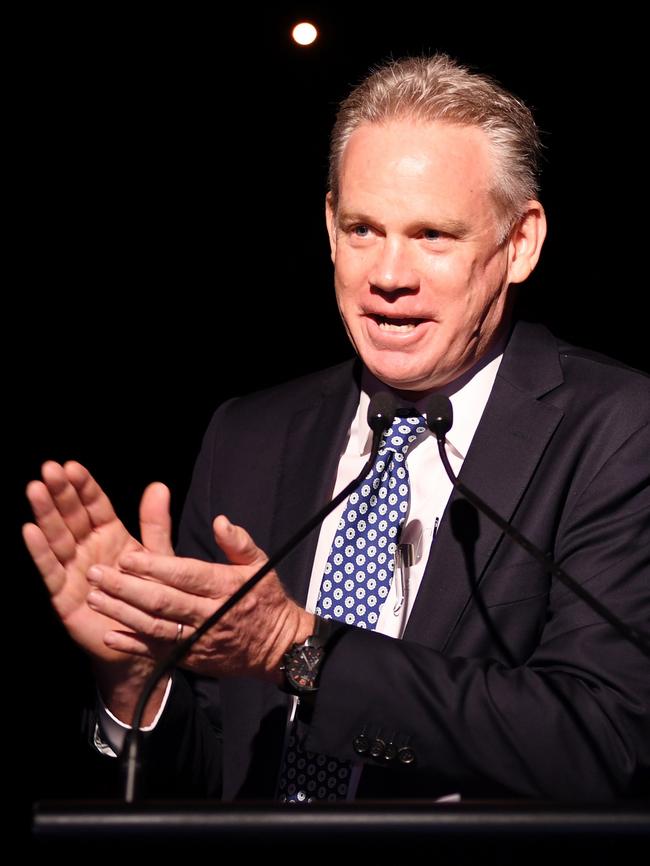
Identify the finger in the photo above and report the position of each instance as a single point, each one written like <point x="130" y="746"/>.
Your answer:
<point x="66" y="500"/>
<point x="132" y="644"/>
<point x="92" y="497"/>
<point x="150" y="597"/>
<point x="155" y="519"/>
<point x="236" y="543"/>
<point x="51" y="570"/>
<point x="204" y="579"/>
<point x="53" y="526"/>
<point x="145" y="625"/>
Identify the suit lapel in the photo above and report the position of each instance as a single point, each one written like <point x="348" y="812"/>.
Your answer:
<point x="510" y="440"/>
<point x="315" y="439"/>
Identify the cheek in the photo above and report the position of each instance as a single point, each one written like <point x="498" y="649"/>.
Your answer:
<point x="445" y="294"/>
<point x="447" y="278"/>
<point x="350" y="276"/>
<point x="463" y="288"/>
<point x="346" y="300"/>
<point x="343" y="292"/>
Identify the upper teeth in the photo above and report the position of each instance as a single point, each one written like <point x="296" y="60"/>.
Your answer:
<point x="393" y="326"/>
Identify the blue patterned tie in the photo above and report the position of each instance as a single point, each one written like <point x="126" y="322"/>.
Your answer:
<point x="354" y="588"/>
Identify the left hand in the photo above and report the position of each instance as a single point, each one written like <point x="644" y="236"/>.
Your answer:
<point x="151" y="595"/>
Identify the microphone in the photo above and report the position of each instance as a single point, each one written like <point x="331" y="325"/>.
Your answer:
<point x="440" y="417"/>
<point x="381" y="412"/>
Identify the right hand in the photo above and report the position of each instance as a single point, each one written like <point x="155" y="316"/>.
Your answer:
<point x="76" y="527"/>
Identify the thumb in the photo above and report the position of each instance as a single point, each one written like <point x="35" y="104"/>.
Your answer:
<point x="236" y="543"/>
<point x="155" y="520"/>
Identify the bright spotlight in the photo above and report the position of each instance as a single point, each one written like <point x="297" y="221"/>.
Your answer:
<point x="304" y="33"/>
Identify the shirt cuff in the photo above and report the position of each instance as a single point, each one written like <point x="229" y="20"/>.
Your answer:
<point x="110" y="732"/>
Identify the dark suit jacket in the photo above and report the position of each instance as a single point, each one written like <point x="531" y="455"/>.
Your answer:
<point x="563" y="450"/>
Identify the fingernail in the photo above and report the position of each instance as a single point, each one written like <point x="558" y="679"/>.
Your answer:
<point x="93" y="598"/>
<point x="127" y="562"/>
<point x="95" y="574"/>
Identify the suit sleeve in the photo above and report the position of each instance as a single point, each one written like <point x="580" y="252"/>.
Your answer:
<point x="572" y="721"/>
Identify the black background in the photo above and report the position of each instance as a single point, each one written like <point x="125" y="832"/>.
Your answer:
<point x="168" y="247"/>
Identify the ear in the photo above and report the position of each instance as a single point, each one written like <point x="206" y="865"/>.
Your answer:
<point x="525" y="243"/>
<point x="330" y="219"/>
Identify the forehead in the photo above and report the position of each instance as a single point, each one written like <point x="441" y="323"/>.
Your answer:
<point x="409" y="163"/>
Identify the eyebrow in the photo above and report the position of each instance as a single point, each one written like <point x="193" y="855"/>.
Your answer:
<point x="458" y="228"/>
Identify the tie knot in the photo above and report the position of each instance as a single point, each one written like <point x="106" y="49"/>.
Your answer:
<point x="402" y="433"/>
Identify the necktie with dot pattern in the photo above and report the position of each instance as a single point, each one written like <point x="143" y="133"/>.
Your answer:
<point x="355" y="585"/>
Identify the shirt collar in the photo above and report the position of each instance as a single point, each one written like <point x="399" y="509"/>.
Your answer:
<point x="468" y="394"/>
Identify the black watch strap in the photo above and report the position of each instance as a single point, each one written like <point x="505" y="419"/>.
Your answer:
<point x="323" y="630"/>
<point x="302" y="662"/>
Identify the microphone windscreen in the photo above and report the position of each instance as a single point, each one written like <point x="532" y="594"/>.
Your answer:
<point x="381" y="411"/>
<point x="440" y="414"/>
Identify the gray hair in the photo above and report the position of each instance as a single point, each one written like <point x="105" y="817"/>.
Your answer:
<point x="438" y="88"/>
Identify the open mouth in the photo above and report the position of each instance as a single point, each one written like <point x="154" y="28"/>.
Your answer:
<point x="394" y="323"/>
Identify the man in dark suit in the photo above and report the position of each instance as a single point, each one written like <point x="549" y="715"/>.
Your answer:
<point x="482" y="676"/>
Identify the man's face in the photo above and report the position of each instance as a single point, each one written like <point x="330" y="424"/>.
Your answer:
<point x="420" y="276"/>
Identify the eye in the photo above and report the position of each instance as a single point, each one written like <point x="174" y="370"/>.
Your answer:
<point x="431" y="234"/>
<point x="361" y="231"/>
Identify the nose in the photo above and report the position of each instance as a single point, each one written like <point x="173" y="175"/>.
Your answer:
<point x="392" y="269"/>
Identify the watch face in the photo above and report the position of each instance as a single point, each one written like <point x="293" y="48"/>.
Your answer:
<point x="301" y="667"/>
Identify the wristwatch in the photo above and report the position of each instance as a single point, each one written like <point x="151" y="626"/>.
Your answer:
<point x="302" y="662"/>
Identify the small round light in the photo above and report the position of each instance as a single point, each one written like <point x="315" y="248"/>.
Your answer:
<point x="304" y="33"/>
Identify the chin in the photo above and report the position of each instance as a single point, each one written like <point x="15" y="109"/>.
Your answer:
<point x="401" y="381"/>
